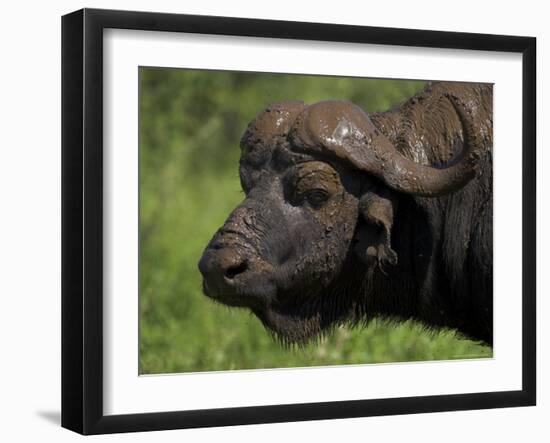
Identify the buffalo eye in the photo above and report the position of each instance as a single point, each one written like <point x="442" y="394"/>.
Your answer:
<point x="311" y="184"/>
<point x="316" y="197"/>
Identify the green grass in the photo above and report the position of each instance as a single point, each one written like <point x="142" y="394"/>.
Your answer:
<point x="190" y="125"/>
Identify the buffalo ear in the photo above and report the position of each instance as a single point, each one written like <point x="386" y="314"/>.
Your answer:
<point x="377" y="208"/>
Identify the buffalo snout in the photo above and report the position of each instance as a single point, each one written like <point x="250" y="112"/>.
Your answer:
<point x="221" y="268"/>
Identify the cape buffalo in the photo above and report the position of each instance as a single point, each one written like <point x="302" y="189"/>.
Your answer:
<point x="350" y="216"/>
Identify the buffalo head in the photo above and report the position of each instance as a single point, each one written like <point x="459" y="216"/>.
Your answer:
<point x="322" y="185"/>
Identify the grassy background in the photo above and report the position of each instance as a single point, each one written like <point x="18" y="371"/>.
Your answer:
<point x="190" y="126"/>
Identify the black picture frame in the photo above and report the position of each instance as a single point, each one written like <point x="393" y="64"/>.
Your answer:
<point x="82" y="220"/>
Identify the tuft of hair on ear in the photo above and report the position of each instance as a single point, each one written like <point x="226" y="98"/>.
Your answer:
<point x="377" y="207"/>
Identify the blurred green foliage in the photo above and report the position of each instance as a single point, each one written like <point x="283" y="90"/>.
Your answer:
<point x="190" y="127"/>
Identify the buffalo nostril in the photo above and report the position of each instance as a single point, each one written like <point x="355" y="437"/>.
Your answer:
<point x="233" y="271"/>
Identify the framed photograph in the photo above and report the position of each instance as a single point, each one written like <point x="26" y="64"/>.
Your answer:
<point x="269" y="221"/>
